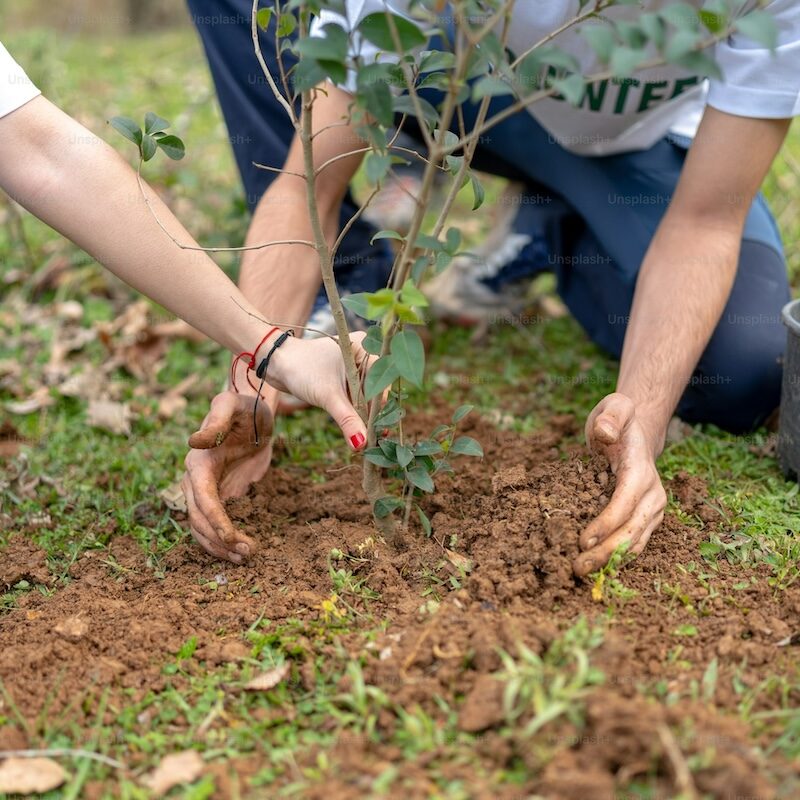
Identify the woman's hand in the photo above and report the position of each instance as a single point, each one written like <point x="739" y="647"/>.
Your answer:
<point x="313" y="371"/>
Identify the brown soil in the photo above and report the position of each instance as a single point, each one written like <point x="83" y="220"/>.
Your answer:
<point x="516" y="517"/>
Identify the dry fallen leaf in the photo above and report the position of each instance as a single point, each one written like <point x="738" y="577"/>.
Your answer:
<point x="174" y="400"/>
<point x="173" y="497"/>
<point x="10" y="440"/>
<point x="30" y="775"/>
<point x="110" y="416"/>
<point x="86" y="384"/>
<point x="174" y="770"/>
<point x="38" y="400"/>
<point x="460" y="562"/>
<point x="268" y="680"/>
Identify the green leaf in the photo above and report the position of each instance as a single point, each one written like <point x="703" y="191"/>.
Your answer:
<point x="286" y="25"/>
<point x="466" y="446"/>
<point x="631" y="34"/>
<point x="374" y="95"/>
<point x="490" y="86"/>
<point x="424" y="521"/>
<point x="454" y="164"/>
<point x="380" y="303"/>
<point x="478" y="192"/>
<point x="760" y="27"/>
<point x="382" y="374"/>
<point x="602" y="40"/>
<point x="357" y="303"/>
<point x="389" y="447"/>
<point x="373" y="341"/>
<point x="154" y="124"/>
<point x="681" y="43"/>
<point x="172" y="146"/>
<point x="460" y="413"/>
<point x="376" y="456"/>
<point x="387" y="235"/>
<point x="625" y="60"/>
<point x="419" y="267"/>
<point x="715" y="23"/>
<point x="335" y="70"/>
<point x="385" y="506"/>
<point x="409" y="356"/>
<point x="555" y="57"/>
<point x="452" y="241"/>
<point x="404" y="455"/>
<point x="388" y="418"/>
<point x="148" y="147"/>
<point x="700" y="63"/>
<point x="419" y="477"/>
<point x="376" y="167"/>
<point x="330" y="47"/>
<point x="375" y="29"/>
<point x="427" y="448"/>
<point x="431" y="60"/>
<point x="412" y="295"/>
<point x="681" y="16"/>
<point x="403" y="104"/>
<point x="654" y="27"/>
<point x="128" y="128"/>
<point x="571" y="88"/>
<point x="434" y="80"/>
<point x="307" y="74"/>
<point x="263" y="17"/>
<point x="426" y="242"/>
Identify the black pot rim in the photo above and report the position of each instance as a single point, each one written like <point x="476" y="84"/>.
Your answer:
<point x="791" y="316"/>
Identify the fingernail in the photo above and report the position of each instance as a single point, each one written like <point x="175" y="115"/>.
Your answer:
<point x="607" y="429"/>
<point x="243" y="548"/>
<point x="591" y="543"/>
<point x="357" y="440"/>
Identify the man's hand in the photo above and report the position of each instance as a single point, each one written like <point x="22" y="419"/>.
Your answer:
<point x="637" y="507"/>
<point x="223" y="462"/>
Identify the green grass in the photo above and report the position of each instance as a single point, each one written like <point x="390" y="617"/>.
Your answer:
<point x="531" y="373"/>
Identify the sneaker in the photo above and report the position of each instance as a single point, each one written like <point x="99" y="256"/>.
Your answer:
<point x="491" y="283"/>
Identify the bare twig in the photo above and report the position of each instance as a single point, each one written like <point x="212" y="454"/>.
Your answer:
<point x="680" y="769"/>
<point x="161" y="225"/>
<point x="265" y="69"/>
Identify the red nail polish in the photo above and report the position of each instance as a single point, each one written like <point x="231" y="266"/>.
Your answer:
<point x="357" y="440"/>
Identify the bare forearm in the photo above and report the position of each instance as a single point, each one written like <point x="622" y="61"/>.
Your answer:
<point x="80" y="186"/>
<point x="680" y="295"/>
<point x="283" y="282"/>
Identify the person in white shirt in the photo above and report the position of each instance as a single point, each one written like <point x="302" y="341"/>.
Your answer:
<point x="78" y="184"/>
<point x="666" y="253"/>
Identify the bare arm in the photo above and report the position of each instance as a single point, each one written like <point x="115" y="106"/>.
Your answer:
<point x="79" y="185"/>
<point x="689" y="269"/>
<point x="283" y="214"/>
<point x="683" y="286"/>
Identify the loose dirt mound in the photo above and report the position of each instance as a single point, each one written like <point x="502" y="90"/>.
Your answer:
<point x="513" y="521"/>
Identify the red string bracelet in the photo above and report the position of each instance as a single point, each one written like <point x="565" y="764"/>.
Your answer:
<point x="251" y="361"/>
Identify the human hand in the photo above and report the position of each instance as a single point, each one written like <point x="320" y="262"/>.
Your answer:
<point x="225" y="459"/>
<point x="223" y="462"/>
<point x="637" y="506"/>
<point x="312" y="370"/>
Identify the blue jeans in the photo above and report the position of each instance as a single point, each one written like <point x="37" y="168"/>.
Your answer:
<point x="597" y="214"/>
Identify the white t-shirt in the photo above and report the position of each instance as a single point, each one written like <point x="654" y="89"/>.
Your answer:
<point x="16" y="88"/>
<point x="634" y="113"/>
